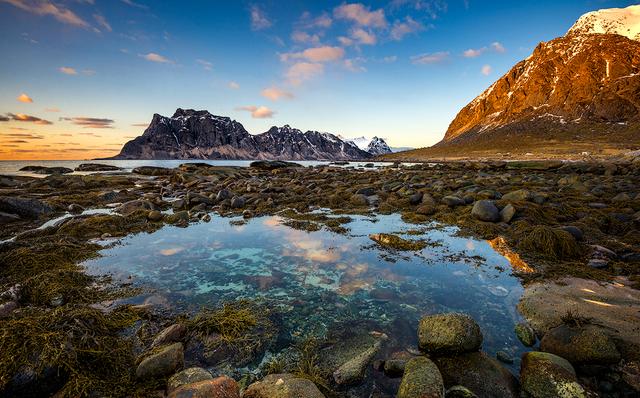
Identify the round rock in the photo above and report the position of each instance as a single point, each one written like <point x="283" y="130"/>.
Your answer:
<point x="485" y="210"/>
<point x="451" y="333"/>
<point x="421" y="379"/>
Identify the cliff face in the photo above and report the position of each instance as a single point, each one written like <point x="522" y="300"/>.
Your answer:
<point x="190" y="134"/>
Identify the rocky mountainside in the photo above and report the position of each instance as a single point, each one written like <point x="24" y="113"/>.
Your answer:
<point x="375" y="145"/>
<point x="190" y="134"/>
<point x="581" y="87"/>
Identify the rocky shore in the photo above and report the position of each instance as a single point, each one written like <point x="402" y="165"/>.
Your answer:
<point x="570" y="230"/>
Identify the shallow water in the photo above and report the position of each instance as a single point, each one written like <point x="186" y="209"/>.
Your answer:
<point x="321" y="280"/>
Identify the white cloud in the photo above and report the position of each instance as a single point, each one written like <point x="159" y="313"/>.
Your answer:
<point x="304" y="37"/>
<point x="259" y="19"/>
<point x="45" y="7"/>
<point x="408" y="26"/>
<point x="25" y="98"/>
<point x="362" y="36"/>
<point x="274" y="93"/>
<point x="153" y="57"/>
<point x="498" y="47"/>
<point x="361" y="15"/>
<point x="233" y="85"/>
<point x="308" y="22"/>
<point x="353" y="65"/>
<point x="206" y="65"/>
<point x="473" y="53"/>
<point x="303" y="71"/>
<point x="486" y="70"/>
<point x="102" y="21"/>
<point x="316" y="54"/>
<point x="67" y="70"/>
<point x="258" y="112"/>
<point x="136" y="5"/>
<point x="430" y="58"/>
<point x="345" y="41"/>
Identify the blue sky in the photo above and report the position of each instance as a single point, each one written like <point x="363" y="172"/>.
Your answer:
<point x="81" y="77"/>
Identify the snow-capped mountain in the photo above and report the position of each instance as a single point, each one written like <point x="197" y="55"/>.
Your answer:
<point x="191" y="134"/>
<point x="620" y="21"/>
<point x="375" y="145"/>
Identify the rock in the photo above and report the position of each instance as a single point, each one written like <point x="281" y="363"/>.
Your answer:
<point x="6" y="218"/>
<point x="485" y="210"/>
<point x="544" y="375"/>
<point x="621" y="197"/>
<point x="525" y="334"/>
<point x="46" y="170"/>
<point x="155" y="216"/>
<point x="134" y="205"/>
<point x="394" y="367"/>
<point x="7" y="308"/>
<point x="162" y="363"/>
<point x="272" y="164"/>
<point x="96" y="167"/>
<point x="574" y="231"/>
<point x="421" y="379"/>
<point x="478" y="372"/>
<point x="359" y="200"/>
<point x="223" y="194"/>
<point x="367" y="191"/>
<point x="504" y="357"/>
<point x="282" y="386"/>
<point x="187" y="376"/>
<point x="178" y="217"/>
<point x="237" y="202"/>
<point x="460" y="392"/>
<point x="426" y="210"/>
<point x="152" y="171"/>
<point x="507" y="213"/>
<point x="23" y="207"/>
<point x="353" y="371"/>
<point x="396" y="242"/>
<point x="518" y="196"/>
<point x="453" y="201"/>
<point x="450" y="333"/>
<point x="75" y="208"/>
<point x="416" y="198"/>
<point x="220" y="387"/>
<point x="631" y="374"/>
<point x="170" y="334"/>
<point x="587" y="345"/>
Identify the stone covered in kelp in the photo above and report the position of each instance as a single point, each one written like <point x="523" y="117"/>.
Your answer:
<point x="451" y="333"/>
<point x="421" y="379"/>
<point x="478" y="372"/>
<point x="220" y="387"/>
<point x="585" y="345"/>
<point x="544" y="375"/>
<point x="396" y="242"/>
<point x="525" y="334"/>
<point x="163" y="362"/>
<point x="188" y="376"/>
<point x="353" y="371"/>
<point x="282" y="386"/>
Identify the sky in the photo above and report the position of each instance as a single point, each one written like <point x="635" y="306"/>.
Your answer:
<point x="79" y="78"/>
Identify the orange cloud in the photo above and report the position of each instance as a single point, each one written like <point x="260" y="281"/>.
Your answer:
<point x="153" y="57"/>
<point x="258" y="112"/>
<point x="274" y="93"/>
<point x="67" y="70"/>
<point x="303" y="71"/>
<point x="45" y="7"/>
<point x="316" y="54"/>
<point x="25" y="98"/>
<point x="361" y="15"/>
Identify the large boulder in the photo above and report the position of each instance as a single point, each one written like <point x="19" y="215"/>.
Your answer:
<point x="545" y="375"/>
<point x="220" y="387"/>
<point x="485" y="210"/>
<point x="587" y="345"/>
<point x="451" y="333"/>
<point x="134" y="205"/>
<point x="421" y="379"/>
<point x="187" y="376"/>
<point x="478" y="372"/>
<point x="161" y="363"/>
<point x="282" y="386"/>
<point x="24" y="207"/>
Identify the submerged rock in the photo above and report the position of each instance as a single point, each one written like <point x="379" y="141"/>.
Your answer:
<point x="282" y="386"/>
<point x="220" y="387"/>
<point x="161" y="363"/>
<point x="353" y="371"/>
<point x="421" y="379"/>
<point x="586" y="345"/>
<point x="188" y="376"/>
<point x="525" y="334"/>
<point x="396" y="242"/>
<point x="544" y="375"/>
<point x="451" y="333"/>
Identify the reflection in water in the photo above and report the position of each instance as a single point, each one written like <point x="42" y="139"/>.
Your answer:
<point x="319" y="280"/>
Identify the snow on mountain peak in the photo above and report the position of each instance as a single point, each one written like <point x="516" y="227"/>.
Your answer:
<point x="621" y="21"/>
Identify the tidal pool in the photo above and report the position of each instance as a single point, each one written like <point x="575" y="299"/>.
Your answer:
<point x="322" y="280"/>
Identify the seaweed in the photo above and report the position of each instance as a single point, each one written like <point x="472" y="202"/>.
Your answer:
<point x="549" y="243"/>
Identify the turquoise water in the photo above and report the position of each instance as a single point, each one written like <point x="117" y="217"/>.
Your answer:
<point x="322" y="280"/>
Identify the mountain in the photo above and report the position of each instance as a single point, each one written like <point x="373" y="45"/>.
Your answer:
<point x="191" y="134"/>
<point x="375" y="145"/>
<point x="579" y="92"/>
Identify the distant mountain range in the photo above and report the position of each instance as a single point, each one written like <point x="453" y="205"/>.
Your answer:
<point x="191" y="134"/>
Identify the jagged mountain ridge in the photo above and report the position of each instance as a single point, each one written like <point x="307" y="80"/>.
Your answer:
<point x="585" y="83"/>
<point x="375" y="145"/>
<point x="191" y="134"/>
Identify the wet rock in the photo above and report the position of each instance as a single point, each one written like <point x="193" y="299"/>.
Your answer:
<point x="359" y="200"/>
<point x="416" y="198"/>
<point x="518" y="196"/>
<point x="574" y="231"/>
<point x="460" y="392"/>
<point x="7" y="308"/>
<point x="223" y="194"/>
<point x="75" y="208"/>
<point x="426" y="210"/>
<point x="421" y="379"/>
<point x="485" y="210"/>
<point x="170" y="334"/>
<point x="152" y="171"/>
<point x="453" y="201"/>
<point x="504" y="357"/>
<point x="155" y="216"/>
<point x="6" y="218"/>
<point x="179" y="217"/>
<point x="394" y="367"/>
<point x="23" y="207"/>
<point x="187" y="376"/>
<point x="478" y="372"/>
<point x="282" y="386"/>
<point x="367" y="191"/>
<point x="525" y="334"/>
<point x="353" y="371"/>
<point x="272" y="164"/>
<point x="162" y="363"/>
<point x="220" y="387"/>
<point x="507" y="213"/>
<point x="237" y="202"/>
<point x="631" y="374"/>
<point x="96" y="167"/>
<point x="585" y="345"/>
<point x="134" y="205"/>
<point x="544" y="375"/>
<point x="396" y="242"/>
<point x="46" y="170"/>
<point x="450" y="333"/>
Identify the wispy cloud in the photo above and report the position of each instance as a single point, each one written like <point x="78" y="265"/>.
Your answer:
<point x="102" y="22"/>
<point x="498" y="47"/>
<point x="233" y="85"/>
<point x="402" y="28"/>
<point x="206" y="65"/>
<point x="307" y="21"/>
<point x="136" y="5"/>
<point x="45" y="7"/>
<point x="257" y="112"/>
<point x="67" y="70"/>
<point x="304" y="37"/>
<point x="154" y="57"/>
<point x="52" y="110"/>
<point x="362" y="36"/>
<point x="21" y="117"/>
<point x="486" y="70"/>
<point x="25" y="98"/>
<point x="90" y="122"/>
<point x="361" y="15"/>
<point x="303" y="71"/>
<point x="259" y="18"/>
<point x="473" y="53"/>
<point x="274" y="93"/>
<point x="432" y="8"/>
<point x="315" y="54"/>
<point x="430" y="58"/>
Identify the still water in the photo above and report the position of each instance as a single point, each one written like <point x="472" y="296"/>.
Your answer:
<point x="320" y="280"/>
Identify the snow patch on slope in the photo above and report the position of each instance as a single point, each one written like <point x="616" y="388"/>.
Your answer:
<point x="621" y="21"/>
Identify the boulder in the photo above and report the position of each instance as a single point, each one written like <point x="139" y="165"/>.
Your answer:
<point x="187" y="376"/>
<point x="223" y="194"/>
<point x="161" y="363"/>
<point x="478" y="372"/>
<point x="587" y="345"/>
<point x="170" y="334"/>
<point x="282" y="386"/>
<point x="507" y="213"/>
<point x="450" y="333"/>
<point x="24" y="207"/>
<point x="134" y="205"/>
<point x="518" y="196"/>
<point x="485" y="210"/>
<point x="220" y="387"/>
<point x="152" y="171"/>
<point x="421" y="379"/>
<point x="237" y="202"/>
<point x="394" y="367"/>
<point x="353" y="371"/>
<point x="544" y="375"/>
<point x="525" y="334"/>
<point x="453" y="201"/>
<point x="6" y="218"/>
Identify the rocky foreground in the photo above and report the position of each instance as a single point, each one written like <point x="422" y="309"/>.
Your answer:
<point x="570" y="230"/>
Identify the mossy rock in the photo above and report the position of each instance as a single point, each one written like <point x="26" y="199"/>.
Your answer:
<point x="450" y="333"/>
<point x="549" y="243"/>
<point x="187" y="376"/>
<point x="545" y="375"/>
<point x="525" y="334"/>
<point x="460" y="392"/>
<point x="282" y="386"/>
<point x="162" y="362"/>
<point x="581" y="345"/>
<point x="421" y="379"/>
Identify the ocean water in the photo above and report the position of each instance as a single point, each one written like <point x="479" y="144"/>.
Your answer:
<point x="12" y="167"/>
<point x="322" y="280"/>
